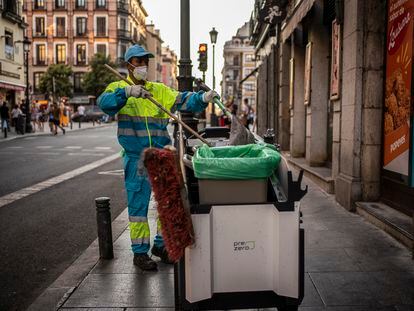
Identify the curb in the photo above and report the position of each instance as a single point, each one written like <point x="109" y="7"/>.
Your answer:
<point x="3" y="140"/>
<point x="60" y="290"/>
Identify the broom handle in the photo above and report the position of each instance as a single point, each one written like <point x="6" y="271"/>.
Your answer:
<point x="152" y="100"/>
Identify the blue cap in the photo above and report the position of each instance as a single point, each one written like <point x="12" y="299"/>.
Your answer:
<point x="136" y="51"/>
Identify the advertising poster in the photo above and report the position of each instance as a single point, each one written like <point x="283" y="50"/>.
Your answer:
<point x="308" y="68"/>
<point x="336" y="57"/>
<point x="398" y="86"/>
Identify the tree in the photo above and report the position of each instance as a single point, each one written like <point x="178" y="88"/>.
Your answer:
<point x="56" y="81"/>
<point x="97" y="79"/>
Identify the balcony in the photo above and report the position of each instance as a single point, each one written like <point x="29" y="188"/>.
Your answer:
<point x="81" y="6"/>
<point x="124" y="34"/>
<point x="81" y="62"/>
<point x="101" y="34"/>
<point x="123" y="7"/>
<point x="39" y="62"/>
<point x="79" y="34"/>
<point x="60" y="33"/>
<point x="37" y="34"/>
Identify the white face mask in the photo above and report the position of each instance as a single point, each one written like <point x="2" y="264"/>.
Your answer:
<point x="140" y="72"/>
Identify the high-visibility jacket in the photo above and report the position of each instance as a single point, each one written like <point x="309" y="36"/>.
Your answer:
<point x="141" y="124"/>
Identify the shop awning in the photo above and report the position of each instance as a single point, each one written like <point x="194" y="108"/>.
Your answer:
<point x="300" y="12"/>
<point x="11" y="86"/>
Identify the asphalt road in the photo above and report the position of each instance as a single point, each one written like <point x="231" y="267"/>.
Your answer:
<point x="43" y="234"/>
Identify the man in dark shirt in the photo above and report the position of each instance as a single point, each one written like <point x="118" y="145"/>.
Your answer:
<point x="5" y="116"/>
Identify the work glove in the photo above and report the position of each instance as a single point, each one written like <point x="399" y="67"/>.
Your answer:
<point x="137" y="91"/>
<point x="209" y="96"/>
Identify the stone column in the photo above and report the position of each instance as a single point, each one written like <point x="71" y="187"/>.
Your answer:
<point x="348" y="183"/>
<point x="284" y="115"/>
<point x="297" y="110"/>
<point x="317" y="110"/>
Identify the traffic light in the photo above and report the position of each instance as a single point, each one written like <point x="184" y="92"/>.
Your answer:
<point x="202" y="51"/>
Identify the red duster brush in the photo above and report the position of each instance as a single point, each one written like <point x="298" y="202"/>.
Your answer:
<point x="167" y="185"/>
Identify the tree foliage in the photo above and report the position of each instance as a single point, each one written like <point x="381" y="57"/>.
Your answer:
<point x="97" y="79"/>
<point x="56" y="81"/>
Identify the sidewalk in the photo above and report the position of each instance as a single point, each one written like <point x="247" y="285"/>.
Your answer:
<point x="75" y="127"/>
<point x="349" y="265"/>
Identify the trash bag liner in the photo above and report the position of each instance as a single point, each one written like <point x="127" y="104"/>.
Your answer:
<point x="254" y="161"/>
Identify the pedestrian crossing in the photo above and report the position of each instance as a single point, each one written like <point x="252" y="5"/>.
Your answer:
<point x="73" y="151"/>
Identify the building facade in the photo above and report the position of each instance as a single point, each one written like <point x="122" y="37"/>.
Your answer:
<point x="336" y="86"/>
<point x="71" y="32"/>
<point x="169" y="67"/>
<point x="238" y="80"/>
<point x="154" y="43"/>
<point x="12" y="65"/>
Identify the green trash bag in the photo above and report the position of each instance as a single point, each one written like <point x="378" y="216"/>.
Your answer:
<point x="254" y="161"/>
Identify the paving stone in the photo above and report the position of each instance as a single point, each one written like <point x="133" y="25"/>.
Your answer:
<point x="329" y="260"/>
<point x="385" y="261"/>
<point x="124" y="291"/>
<point x="393" y="288"/>
<point x="122" y="263"/>
<point x="344" y="288"/>
<point x="311" y="298"/>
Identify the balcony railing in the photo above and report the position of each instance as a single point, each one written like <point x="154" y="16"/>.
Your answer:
<point x="37" y="34"/>
<point x="99" y="5"/>
<point x="124" y="34"/>
<point x="80" y="34"/>
<point x="60" y="33"/>
<point x="39" y="62"/>
<point x="81" y="6"/>
<point x="101" y="34"/>
<point x="123" y="7"/>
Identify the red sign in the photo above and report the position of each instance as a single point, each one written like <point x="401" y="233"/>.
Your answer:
<point x="398" y="85"/>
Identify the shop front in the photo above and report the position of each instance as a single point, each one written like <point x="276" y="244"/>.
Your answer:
<point x="397" y="180"/>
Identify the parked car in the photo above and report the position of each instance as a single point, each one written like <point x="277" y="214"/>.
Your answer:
<point x="93" y="113"/>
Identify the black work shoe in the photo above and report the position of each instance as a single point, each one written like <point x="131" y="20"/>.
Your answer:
<point x="144" y="262"/>
<point x="162" y="253"/>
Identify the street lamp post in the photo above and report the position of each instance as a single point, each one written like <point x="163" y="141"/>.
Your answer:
<point x="26" y="47"/>
<point x="213" y="38"/>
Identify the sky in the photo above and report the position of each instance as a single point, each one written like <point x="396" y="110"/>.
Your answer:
<point x="225" y="15"/>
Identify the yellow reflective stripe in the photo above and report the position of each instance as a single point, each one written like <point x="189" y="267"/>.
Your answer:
<point x="139" y="230"/>
<point x="140" y="241"/>
<point x="125" y="117"/>
<point x="158" y="226"/>
<point x="137" y="219"/>
<point x="142" y="133"/>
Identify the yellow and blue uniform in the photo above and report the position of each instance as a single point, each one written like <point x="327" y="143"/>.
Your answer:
<point x="141" y="124"/>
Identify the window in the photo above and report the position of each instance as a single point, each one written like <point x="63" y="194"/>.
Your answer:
<point x="101" y="26"/>
<point x="123" y="24"/>
<point x="60" y="4"/>
<point x="249" y="87"/>
<point x="81" y="26"/>
<point x="101" y="49"/>
<point x="37" y="76"/>
<point x="40" y="30"/>
<point x="81" y="54"/>
<point x="248" y="57"/>
<point x="60" y="53"/>
<point x="77" y="82"/>
<point x="100" y="3"/>
<point x="80" y="3"/>
<point x="235" y="60"/>
<point x="8" y="46"/>
<point x="122" y="51"/>
<point x="41" y="54"/>
<point x="235" y="74"/>
<point x="60" y="26"/>
<point x="135" y="35"/>
<point x="247" y="71"/>
<point x="39" y="4"/>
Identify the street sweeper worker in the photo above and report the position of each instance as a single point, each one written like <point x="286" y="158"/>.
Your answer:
<point x="141" y="124"/>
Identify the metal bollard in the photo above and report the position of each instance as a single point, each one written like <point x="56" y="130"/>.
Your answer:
<point x="71" y="125"/>
<point x="79" y="124"/>
<point x="103" y="218"/>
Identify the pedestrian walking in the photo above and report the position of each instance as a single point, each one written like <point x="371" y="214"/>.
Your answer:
<point x="5" y="117"/>
<point x="34" y="114"/>
<point x="56" y="119"/>
<point x="142" y="125"/>
<point x="15" y="113"/>
<point x="81" y="112"/>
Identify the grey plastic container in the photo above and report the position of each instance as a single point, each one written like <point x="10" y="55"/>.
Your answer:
<point x="212" y="191"/>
